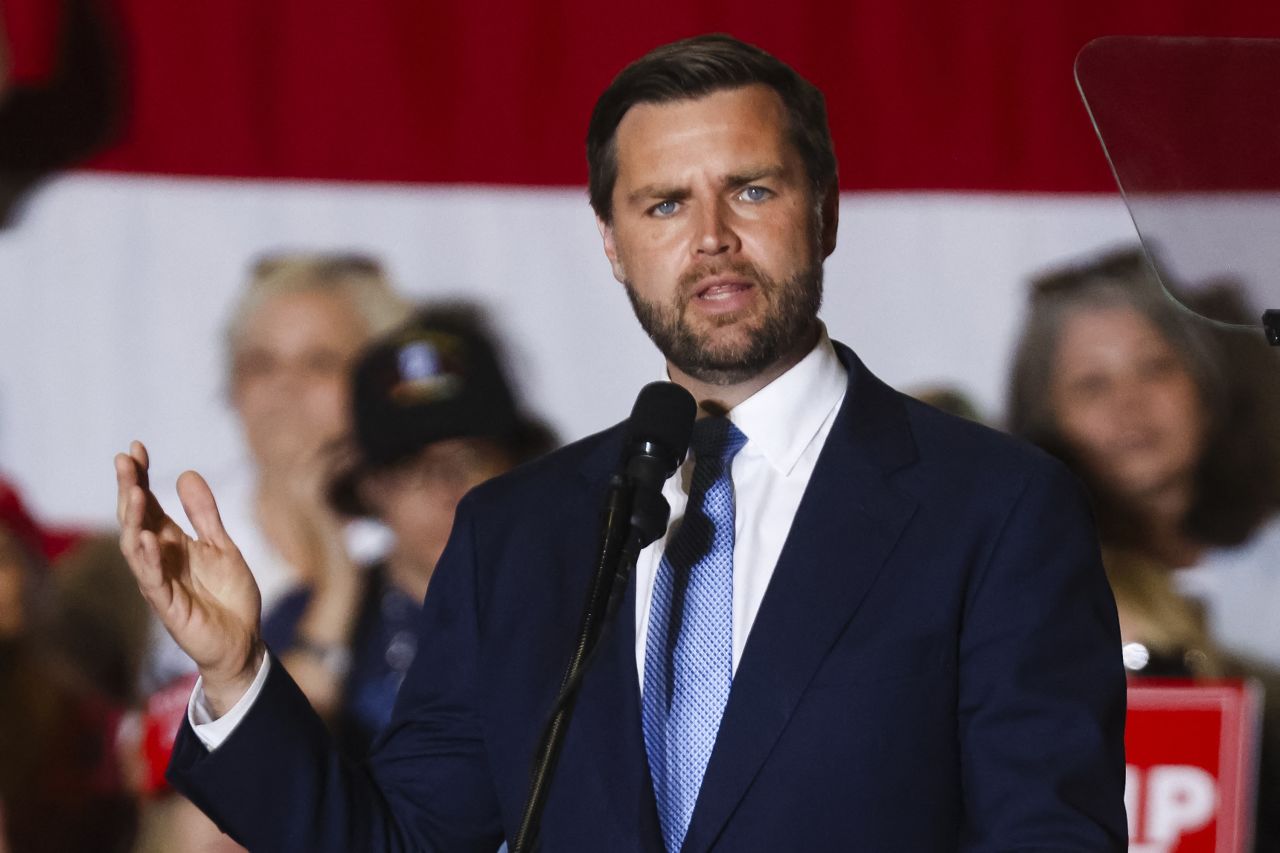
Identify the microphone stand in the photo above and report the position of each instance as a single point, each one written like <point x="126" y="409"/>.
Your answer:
<point x="633" y="517"/>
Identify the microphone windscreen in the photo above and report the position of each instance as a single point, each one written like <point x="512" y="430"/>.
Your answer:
<point x="663" y="415"/>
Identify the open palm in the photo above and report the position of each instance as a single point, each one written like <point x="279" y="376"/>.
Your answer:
<point x="201" y="589"/>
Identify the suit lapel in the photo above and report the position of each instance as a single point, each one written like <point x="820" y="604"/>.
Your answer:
<point x="606" y="721"/>
<point x="847" y="525"/>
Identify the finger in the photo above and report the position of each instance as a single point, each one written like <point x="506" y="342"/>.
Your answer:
<point x="200" y="506"/>
<point x="131" y="515"/>
<point x="138" y="451"/>
<point x="131" y="469"/>
<point x="151" y="566"/>
<point x="146" y="569"/>
<point x="158" y="590"/>
<point x="126" y="479"/>
<point x="129" y="528"/>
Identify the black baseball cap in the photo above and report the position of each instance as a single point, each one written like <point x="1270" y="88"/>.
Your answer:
<point x="437" y="377"/>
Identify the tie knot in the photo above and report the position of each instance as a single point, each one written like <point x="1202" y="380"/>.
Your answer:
<point x="716" y="437"/>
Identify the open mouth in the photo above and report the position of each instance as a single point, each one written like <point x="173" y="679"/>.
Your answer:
<point x="721" y="289"/>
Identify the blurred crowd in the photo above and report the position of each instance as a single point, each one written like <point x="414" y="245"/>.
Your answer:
<point x="367" y="418"/>
<point x="1172" y="423"/>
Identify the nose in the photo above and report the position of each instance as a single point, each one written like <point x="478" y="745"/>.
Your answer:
<point x="291" y="380"/>
<point x="715" y="235"/>
<point x="1133" y="401"/>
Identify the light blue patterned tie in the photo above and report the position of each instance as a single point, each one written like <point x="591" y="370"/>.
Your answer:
<point x="688" y="657"/>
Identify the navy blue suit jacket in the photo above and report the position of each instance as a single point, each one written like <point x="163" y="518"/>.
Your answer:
<point x="935" y="666"/>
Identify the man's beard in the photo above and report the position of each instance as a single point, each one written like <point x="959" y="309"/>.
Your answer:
<point x="790" y="312"/>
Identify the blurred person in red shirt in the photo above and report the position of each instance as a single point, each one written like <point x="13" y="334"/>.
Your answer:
<point x="61" y="787"/>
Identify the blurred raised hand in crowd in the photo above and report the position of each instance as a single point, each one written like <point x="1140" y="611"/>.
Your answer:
<point x="292" y="338"/>
<point x="434" y="415"/>
<point x="291" y="343"/>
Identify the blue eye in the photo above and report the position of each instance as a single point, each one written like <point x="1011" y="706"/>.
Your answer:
<point x="754" y="193"/>
<point x="664" y="208"/>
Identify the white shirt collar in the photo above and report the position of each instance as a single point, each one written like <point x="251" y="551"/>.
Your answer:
<point x="784" y="417"/>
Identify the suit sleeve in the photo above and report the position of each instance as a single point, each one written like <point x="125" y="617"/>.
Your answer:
<point x="1042" y="687"/>
<point x="278" y="783"/>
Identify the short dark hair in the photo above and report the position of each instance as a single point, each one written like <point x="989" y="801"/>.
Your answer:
<point x="690" y="69"/>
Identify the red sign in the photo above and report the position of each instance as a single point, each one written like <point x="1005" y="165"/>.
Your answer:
<point x="1191" y="750"/>
<point x="165" y="711"/>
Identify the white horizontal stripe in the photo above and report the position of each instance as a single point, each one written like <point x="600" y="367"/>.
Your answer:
<point x="114" y="292"/>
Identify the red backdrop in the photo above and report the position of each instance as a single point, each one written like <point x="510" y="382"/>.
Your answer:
<point x="924" y="94"/>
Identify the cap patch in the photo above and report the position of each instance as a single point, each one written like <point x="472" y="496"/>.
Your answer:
<point x="429" y="370"/>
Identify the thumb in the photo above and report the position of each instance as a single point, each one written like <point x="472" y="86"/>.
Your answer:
<point x="202" y="509"/>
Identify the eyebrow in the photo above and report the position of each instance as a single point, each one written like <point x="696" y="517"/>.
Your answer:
<point x="659" y="191"/>
<point x="750" y="176"/>
<point x="680" y="193"/>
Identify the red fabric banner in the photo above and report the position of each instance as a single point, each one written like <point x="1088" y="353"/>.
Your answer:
<point x="923" y="94"/>
<point x="30" y="32"/>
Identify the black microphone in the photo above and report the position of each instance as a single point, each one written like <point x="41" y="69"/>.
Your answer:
<point x="658" y="434"/>
<point x="635" y="514"/>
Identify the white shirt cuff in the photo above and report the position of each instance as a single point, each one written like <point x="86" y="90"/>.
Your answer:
<point x="213" y="733"/>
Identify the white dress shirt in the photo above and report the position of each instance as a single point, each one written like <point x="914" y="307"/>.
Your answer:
<point x="786" y="424"/>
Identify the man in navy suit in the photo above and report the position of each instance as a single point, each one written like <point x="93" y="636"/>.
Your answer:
<point x="901" y="637"/>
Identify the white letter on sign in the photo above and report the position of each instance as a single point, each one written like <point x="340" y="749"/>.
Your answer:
<point x="1132" y="797"/>
<point x="1180" y="800"/>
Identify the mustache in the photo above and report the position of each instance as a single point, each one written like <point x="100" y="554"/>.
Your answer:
<point x="740" y="268"/>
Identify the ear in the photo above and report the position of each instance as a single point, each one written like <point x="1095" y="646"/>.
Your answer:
<point x="830" y="218"/>
<point x="611" y="249"/>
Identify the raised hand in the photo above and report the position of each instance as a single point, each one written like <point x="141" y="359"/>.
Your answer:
<point x="201" y="589"/>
